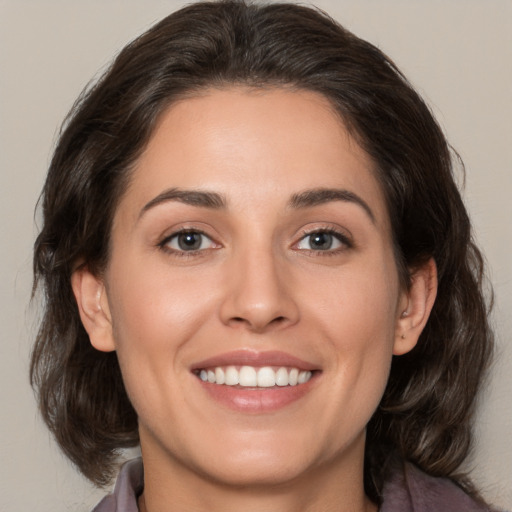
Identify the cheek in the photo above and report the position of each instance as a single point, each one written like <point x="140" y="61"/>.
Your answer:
<point x="152" y="320"/>
<point x="359" y="305"/>
<point x="150" y="304"/>
<point x="154" y="313"/>
<point x="358" y="314"/>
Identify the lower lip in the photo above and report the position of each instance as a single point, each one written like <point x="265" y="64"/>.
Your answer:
<point x="257" y="400"/>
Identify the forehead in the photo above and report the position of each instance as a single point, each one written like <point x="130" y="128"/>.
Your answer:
<point x="254" y="144"/>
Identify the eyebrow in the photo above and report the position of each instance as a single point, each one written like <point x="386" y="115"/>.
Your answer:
<point x="213" y="200"/>
<point x="199" y="198"/>
<point x="319" y="196"/>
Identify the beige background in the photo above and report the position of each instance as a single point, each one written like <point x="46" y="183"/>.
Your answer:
<point x="457" y="52"/>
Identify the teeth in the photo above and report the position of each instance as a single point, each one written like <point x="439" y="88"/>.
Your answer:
<point x="266" y="377"/>
<point x="303" y="377"/>
<point x="282" y="377"/>
<point x="220" y="376"/>
<point x="248" y="376"/>
<point x="232" y="377"/>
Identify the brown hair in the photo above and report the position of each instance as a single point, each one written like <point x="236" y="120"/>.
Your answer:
<point x="425" y="414"/>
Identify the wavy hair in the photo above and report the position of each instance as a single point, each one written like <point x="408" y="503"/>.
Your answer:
<point x="426" y="412"/>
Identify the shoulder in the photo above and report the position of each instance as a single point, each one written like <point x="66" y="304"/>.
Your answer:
<point x="408" y="489"/>
<point x="411" y="490"/>
<point x="128" y="486"/>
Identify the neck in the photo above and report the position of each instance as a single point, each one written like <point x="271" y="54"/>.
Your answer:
<point x="366" y="506"/>
<point x="336" y="486"/>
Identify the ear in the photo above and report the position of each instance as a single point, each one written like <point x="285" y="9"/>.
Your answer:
<point x="91" y="297"/>
<point x="415" y="306"/>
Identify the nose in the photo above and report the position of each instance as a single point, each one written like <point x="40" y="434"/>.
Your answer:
<point x="258" y="295"/>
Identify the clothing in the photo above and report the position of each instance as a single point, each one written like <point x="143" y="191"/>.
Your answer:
<point x="411" y="490"/>
<point x="129" y="485"/>
<point x="408" y="490"/>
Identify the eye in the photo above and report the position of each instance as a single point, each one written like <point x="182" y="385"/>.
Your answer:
<point x="322" y="240"/>
<point x="188" y="241"/>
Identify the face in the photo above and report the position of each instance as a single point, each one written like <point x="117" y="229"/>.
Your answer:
<point x="253" y="245"/>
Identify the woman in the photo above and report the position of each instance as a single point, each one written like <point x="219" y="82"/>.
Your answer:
<point x="257" y="265"/>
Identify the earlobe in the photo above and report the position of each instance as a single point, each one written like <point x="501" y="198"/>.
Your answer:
<point x="93" y="307"/>
<point x="415" y="307"/>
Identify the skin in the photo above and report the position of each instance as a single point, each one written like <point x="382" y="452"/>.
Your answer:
<point x="255" y="284"/>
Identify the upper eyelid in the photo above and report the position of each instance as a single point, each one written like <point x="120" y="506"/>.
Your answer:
<point x="344" y="239"/>
<point x="186" y="227"/>
<point x="182" y="231"/>
<point x="166" y="239"/>
<point x="343" y="235"/>
<point x="324" y="230"/>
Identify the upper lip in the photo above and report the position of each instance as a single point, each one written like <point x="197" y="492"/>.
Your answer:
<point x="255" y="358"/>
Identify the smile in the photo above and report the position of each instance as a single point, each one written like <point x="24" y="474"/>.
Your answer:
<point x="254" y="377"/>
<point x="253" y="382"/>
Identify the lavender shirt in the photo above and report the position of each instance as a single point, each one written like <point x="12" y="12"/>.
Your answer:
<point x="408" y="490"/>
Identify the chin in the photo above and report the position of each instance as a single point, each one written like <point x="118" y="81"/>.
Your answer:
<point x="271" y="460"/>
<point x="257" y="471"/>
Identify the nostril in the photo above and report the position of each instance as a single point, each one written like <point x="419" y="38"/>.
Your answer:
<point x="255" y="325"/>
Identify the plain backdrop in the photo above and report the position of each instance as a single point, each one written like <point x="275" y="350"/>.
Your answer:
<point x="458" y="53"/>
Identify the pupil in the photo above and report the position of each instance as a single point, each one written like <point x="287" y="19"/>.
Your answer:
<point x="321" y="241"/>
<point x="189" y="241"/>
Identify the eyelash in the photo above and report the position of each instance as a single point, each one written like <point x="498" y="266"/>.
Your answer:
<point x="164" y="244"/>
<point x="341" y="238"/>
